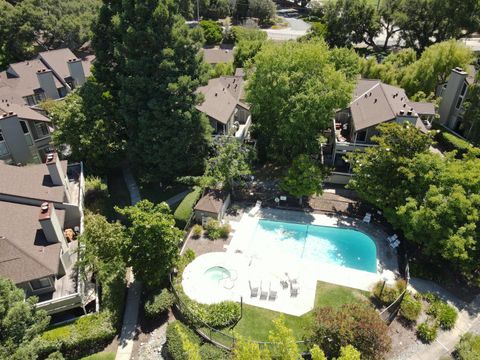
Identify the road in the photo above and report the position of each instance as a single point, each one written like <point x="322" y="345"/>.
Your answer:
<point x="297" y="28"/>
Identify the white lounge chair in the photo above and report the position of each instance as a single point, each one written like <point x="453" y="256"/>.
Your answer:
<point x="367" y="218"/>
<point x="253" y="289"/>
<point x="294" y="289"/>
<point x="395" y="244"/>
<point x="263" y="291"/>
<point x="291" y="280"/>
<point x="255" y="209"/>
<point x="392" y="238"/>
<point x="272" y="293"/>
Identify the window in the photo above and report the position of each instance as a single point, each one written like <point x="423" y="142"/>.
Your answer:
<point x="361" y="136"/>
<point x="26" y="132"/>
<point x="29" y="100"/>
<point x="42" y="129"/>
<point x="464" y="90"/>
<point x="39" y="97"/>
<point x="39" y="284"/>
<point x="459" y="103"/>
<point x="3" y="145"/>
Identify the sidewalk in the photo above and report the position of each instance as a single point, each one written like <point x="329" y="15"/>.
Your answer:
<point x="130" y="317"/>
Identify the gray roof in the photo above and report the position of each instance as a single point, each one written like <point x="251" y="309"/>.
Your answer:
<point x="32" y="182"/>
<point x="376" y="103"/>
<point x="218" y="55"/>
<point x="23" y="112"/>
<point x="57" y="61"/>
<point x="222" y="95"/>
<point x="212" y="202"/>
<point x="25" y="253"/>
<point x="423" y="108"/>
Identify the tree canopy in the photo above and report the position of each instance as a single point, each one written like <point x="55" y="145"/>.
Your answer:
<point x="294" y="93"/>
<point x="263" y="10"/>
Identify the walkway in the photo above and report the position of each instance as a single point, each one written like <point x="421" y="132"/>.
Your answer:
<point x="130" y="317"/>
<point x="177" y="198"/>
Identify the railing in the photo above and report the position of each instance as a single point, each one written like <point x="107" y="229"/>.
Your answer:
<point x="348" y="146"/>
<point x="243" y="129"/>
<point x="390" y="312"/>
<point x="61" y="304"/>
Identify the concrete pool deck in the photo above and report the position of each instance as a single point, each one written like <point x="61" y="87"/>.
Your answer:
<point x="270" y="268"/>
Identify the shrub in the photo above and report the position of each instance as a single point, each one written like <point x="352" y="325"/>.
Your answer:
<point x="430" y="297"/>
<point x="182" y="343"/>
<point x="96" y="194"/>
<point x="453" y="142"/>
<point x="385" y="293"/>
<point x="185" y="209"/>
<point x="358" y="325"/>
<point x="159" y="305"/>
<point x="410" y="308"/>
<point x="57" y="355"/>
<point x="427" y="333"/>
<point x="88" y="335"/>
<point x="225" y="230"/>
<point x="213" y="229"/>
<point x="197" y="231"/>
<point x="187" y="257"/>
<point x="468" y="348"/>
<point x="445" y="314"/>
<point x="211" y="31"/>
<point x="211" y="352"/>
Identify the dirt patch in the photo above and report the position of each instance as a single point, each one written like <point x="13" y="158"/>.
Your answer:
<point x="204" y="245"/>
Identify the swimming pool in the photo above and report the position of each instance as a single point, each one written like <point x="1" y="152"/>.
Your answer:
<point x="321" y="244"/>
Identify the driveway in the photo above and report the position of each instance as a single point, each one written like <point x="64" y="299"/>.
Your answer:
<point x="296" y="28"/>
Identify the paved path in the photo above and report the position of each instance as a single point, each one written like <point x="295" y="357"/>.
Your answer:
<point x="296" y="28"/>
<point x="468" y="319"/>
<point x="130" y="317"/>
<point x="177" y="198"/>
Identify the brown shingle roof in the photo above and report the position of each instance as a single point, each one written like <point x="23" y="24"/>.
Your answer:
<point x="423" y="108"/>
<point x="212" y="202"/>
<point x="25" y="253"/>
<point x="222" y="95"/>
<point x="57" y="61"/>
<point x="23" y="112"/>
<point x="31" y="181"/>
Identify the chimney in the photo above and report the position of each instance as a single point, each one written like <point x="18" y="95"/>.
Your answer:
<point x="55" y="169"/>
<point x="47" y="83"/>
<point x="52" y="229"/>
<point x="75" y="68"/>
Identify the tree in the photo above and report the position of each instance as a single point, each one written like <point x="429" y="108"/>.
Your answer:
<point x="350" y="22"/>
<point x="349" y="353"/>
<point x="248" y="350"/>
<point x="230" y="162"/>
<point x="149" y="62"/>
<point x="153" y="248"/>
<point x="304" y="178"/>
<point x="284" y="344"/>
<point x="425" y="22"/>
<point x="434" y="66"/>
<point x="240" y="11"/>
<point x="294" y="93"/>
<point x="211" y="31"/>
<point x="263" y="10"/>
<point x="471" y="117"/>
<point x="468" y="348"/>
<point x="358" y="325"/>
<point x="317" y="353"/>
<point x="86" y="126"/>
<point x="20" y="321"/>
<point x="346" y="61"/>
<point x="317" y="31"/>
<point x="215" y="9"/>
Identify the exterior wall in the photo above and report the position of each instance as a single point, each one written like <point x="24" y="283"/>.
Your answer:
<point x="15" y="139"/>
<point x="242" y="115"/>
<point x="199" y="215"/>
<point x="225" y="206"/>
<point x="450" y="95"/>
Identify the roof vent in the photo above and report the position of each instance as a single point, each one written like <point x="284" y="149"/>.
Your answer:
<point x="405" y="105"/>
<point x="370" y="94"/>
<point x="402" y="112"/>
<point x="10" y="113"/>
<point x="216" y="94"/>
<point x="409" y="112"/>
<point x="375" y="101"/>
<point x="44" y="207"/>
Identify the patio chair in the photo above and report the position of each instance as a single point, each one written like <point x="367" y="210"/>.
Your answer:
<point x="392" y="238"/>
<point x="255" y="209"/>
<point x="395" y="244"/>
<point x="294" y="289"/>
<point x="263" y="291"/>
<point x="291" y="280"/>
<point x="367" y="218"/>
<point x="272" y="293"/>
<point x="253" y="289"/>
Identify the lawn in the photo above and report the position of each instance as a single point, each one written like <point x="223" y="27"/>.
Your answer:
<point x="257" y="322"/>
<point x="100" y="356"/>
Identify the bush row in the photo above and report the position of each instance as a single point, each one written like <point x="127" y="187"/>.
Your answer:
<point x="88" y="335"/>
<point x="185" y="209"/>
<point x="159" y="304"/>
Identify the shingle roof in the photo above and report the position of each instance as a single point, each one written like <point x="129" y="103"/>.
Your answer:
<point x="423" y="108"/>
<point x="218" y="55"/>
<point x="25" y="253"/>
<point x="23" y="112"/>
<point x="31" y="181"/>
<point x="376" y="102"/>
<point x="212" y="202"/>
<point x="57" y="61"/>
<point x="222" y="95"/>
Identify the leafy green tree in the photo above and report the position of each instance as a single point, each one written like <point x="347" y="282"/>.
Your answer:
<point x="471" y="117"/>
<point x="211" y="31"/>
<point x="85" y="124"/>
<point x="153" y="248"/>
<point x="240" y="10"/>
<point x="215" y="9"/>
<point x="304" y="178"/>
<point x="358" y="325"/>
<point x="284" y="344"/>
<point x="317" y="353"/>
<point x="231" y="161"/>
<point x="221" y="69"/>
<point x="248" y="350"/>
<point x="346" y="61"/>
<point x="263" y="10"/>
<point x="388" y="23"/>
<point x="149" y="61"/>
<point x="434" y="66"/>
<point x="317" y="31"/>
<point x="20" y="321"/>
<point x="294" y="93"/>
<point x="349" y="22"/>
<point x="468" y="348"/>
<point x="349" y="353"/>
<point x="425" y="22"/>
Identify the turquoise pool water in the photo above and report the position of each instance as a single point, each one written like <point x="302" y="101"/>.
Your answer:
<point x="215" y="274"/>
<point x="323" y="244"/>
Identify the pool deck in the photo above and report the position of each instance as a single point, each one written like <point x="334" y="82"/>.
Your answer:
<point x="271" y="269"/>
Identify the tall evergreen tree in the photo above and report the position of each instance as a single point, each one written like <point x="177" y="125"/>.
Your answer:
<point x="148" y="59"/>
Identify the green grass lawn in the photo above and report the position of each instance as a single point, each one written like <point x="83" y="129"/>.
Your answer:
<point x="257" y="322"/>
<point x="100" y="356"/>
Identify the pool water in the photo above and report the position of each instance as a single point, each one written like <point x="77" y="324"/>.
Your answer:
<point x="215" y="274"/>
<point x="322" y="244"/>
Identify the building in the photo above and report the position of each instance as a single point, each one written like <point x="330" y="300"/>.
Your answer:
<point x="212" y="205"/>
<point x="41" y="207"/>
<point x="24" y="130"/>
<point x="224" y="104"/>
<point x="373" y="103"/>
<point x="453" y="94"/>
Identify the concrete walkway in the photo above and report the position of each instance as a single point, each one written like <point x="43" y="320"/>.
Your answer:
<point x="468" y="318"/>
<point x="177" y="198"/>
<point x="130" y="317"/>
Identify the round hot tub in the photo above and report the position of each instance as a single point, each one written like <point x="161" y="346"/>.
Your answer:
<point x="214" y="275"/>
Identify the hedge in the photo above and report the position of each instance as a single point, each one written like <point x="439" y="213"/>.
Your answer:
<point x="185" y="209"/>
<point x="159" y="305"/>
<point x="182" y="343"/>
<point x="452" y="142"/>
<point x="87" y="335"/>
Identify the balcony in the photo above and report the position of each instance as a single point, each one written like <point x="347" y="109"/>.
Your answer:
<point x="242" y="131"/>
